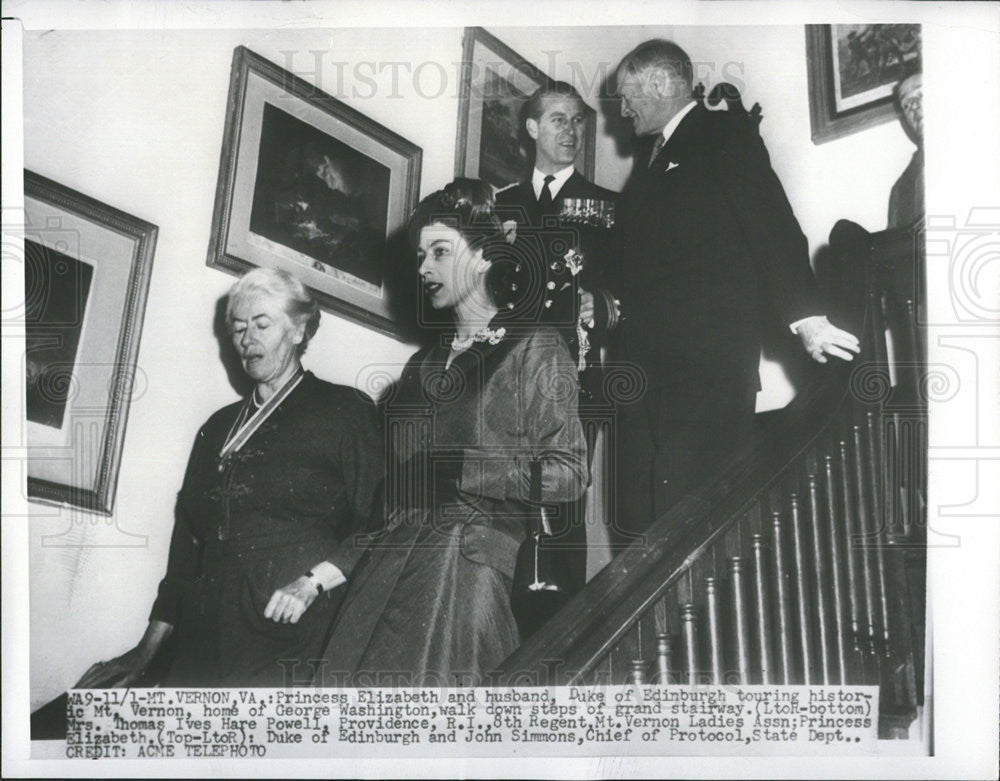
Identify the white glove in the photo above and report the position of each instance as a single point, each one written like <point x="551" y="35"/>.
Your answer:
<point x="822" y="338"/>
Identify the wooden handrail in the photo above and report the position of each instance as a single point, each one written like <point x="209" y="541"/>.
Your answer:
<point x="596" y="617"/>
<point x="568" y="648"/>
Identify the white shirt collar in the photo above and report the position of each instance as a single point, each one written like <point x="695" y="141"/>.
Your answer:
<point x="538" y="181"/>
<point x="676" y="120"/>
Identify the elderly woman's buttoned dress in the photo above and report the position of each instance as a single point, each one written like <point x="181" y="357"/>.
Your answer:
<point x="291" y="497"/>
<point x="430" y="603"/>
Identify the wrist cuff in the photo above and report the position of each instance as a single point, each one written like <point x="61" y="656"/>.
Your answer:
<point x="794" y="327"/>
<point x="315" y="582"/>
<point x="613" y="309"/>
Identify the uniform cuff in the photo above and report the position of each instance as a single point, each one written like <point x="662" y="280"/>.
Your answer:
<point x="614" y="309"/>
<point x="794" y="327"/>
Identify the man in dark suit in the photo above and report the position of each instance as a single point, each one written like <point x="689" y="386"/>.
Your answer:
<point x="710" y="250"/>
<point x="565" y="237"/>
<point x="547" y="205"/>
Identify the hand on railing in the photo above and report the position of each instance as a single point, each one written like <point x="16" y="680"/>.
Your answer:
<point x="821" y="338"/>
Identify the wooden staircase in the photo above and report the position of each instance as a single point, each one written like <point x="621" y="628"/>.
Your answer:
<point x="802" y="561"/>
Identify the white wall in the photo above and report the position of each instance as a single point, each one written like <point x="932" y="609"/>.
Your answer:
<point x="135" y="120"/>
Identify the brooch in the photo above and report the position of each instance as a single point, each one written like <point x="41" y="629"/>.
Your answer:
<point x="572" y="262"/>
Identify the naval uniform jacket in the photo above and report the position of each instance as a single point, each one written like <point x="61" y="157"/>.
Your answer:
<point x="543" y="239"/>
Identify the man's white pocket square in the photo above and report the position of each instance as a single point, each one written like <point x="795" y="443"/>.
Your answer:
<point x="671" y="166"/>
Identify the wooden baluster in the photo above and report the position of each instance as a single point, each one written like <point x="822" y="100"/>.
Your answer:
<point x="919" y="451"/>
<point x="876" y="324"/>
<point x="908" y="390"/>
<point x="739" y="613"/>
<point x="659" y="613"/>
<point x="658" y="622"/>
<point x="646" y="632"/>
<point x="732" y="545"/>
<point x="892" y="488"/>
<point x="822" y="581"/>
<point x="917" y="454"/>
<point x="916" y="333"/>
<point x="909" y="458"/>
<point x="862" y="541"/>
<point x="875" y="467"/>
<point x="802" y="590"/>
<point x="637" y="672"/>
<point x="849" y="503"/>
<point x="701" y="568"/>
<point x="685" y="588"/>
<point x="782" y="588"/>
<point x="910" y="362"/>
<point x="874" y="534"/>
<point x="763" y="604"/>
<point x="714" y="616"/>
<point x="664" y="661"/>
<point x="689" y="631"/>
<point x="837" y="570"/>
<point x="909" y="358"/>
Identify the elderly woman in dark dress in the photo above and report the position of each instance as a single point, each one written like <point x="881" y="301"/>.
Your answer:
<point x="276" y="487"/>
<point x="430" y="604"/>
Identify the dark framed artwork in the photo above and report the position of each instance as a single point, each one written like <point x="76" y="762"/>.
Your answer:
<point x="852" y="70"/>
<point x="496" y="81"/>
<point x="310" y="185"/>
<point x="87" y="268"/>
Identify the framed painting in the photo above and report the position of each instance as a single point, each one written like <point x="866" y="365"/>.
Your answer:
<point x="310" y="185"/>
<point x="496" y="82"/>
<point x="87" y="268"/>
<point x="852" y="71"/>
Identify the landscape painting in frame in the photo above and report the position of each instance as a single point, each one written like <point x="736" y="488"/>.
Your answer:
<point x="309" y="185"/>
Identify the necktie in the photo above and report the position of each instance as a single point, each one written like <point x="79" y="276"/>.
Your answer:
<point x="657" y="146"/>
<point x="545" y="197"/>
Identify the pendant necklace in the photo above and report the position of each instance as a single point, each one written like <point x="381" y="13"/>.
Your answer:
<point x="246" y="424"/>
